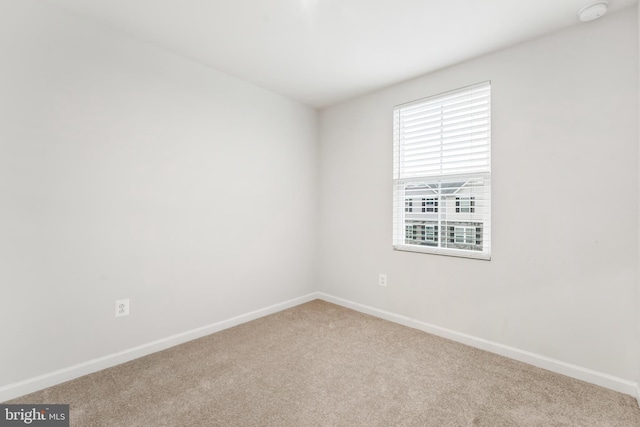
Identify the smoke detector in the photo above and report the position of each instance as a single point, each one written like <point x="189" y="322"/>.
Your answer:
<point x="593" y="11"/>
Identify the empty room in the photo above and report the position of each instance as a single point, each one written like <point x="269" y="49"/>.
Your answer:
<point x="319" y="213"/>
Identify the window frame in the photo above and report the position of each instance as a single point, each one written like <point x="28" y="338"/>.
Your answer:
<point x="449" y="206"/>
<point x="465" y="229"/>
<point x="434" y="233"/>
<point x="433" y="206"/>
<point x="469" y="207"/>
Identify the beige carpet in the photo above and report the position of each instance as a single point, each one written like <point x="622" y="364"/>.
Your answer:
<point x="319" y="364"/>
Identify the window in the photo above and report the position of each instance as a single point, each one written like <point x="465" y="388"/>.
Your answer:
<point x="430" y="205"/>
<point x="465" y="204"/>
<point x="408" y="232"/>
<point x="414" y="232"/>
<point x="465" y="235"/>
<point x="430" y="233"/>
<point x="442" y="160"/>
<point x="408" y="205"/>
<point x="421" y="233"/>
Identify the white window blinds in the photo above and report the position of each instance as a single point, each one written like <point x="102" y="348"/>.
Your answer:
<point x="442" y="173"/>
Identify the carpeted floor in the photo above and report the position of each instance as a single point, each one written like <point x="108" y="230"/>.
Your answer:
<point x="319" y="364"/>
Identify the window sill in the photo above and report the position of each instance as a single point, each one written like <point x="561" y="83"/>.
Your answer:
<point x="460" y="253"/>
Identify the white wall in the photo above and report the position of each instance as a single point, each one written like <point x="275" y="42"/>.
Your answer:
<point x="638" y="296"/>
<point x="563" y="279"/>
<point x="126" y="172"/>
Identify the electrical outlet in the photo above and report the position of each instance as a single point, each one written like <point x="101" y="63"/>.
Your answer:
<point x="382" y="279"/>
<point x="122" y="307"/>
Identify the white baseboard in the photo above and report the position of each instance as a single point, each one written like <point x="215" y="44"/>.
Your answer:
<point x="31" y="385"/>
<point x="553" y="365"/>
